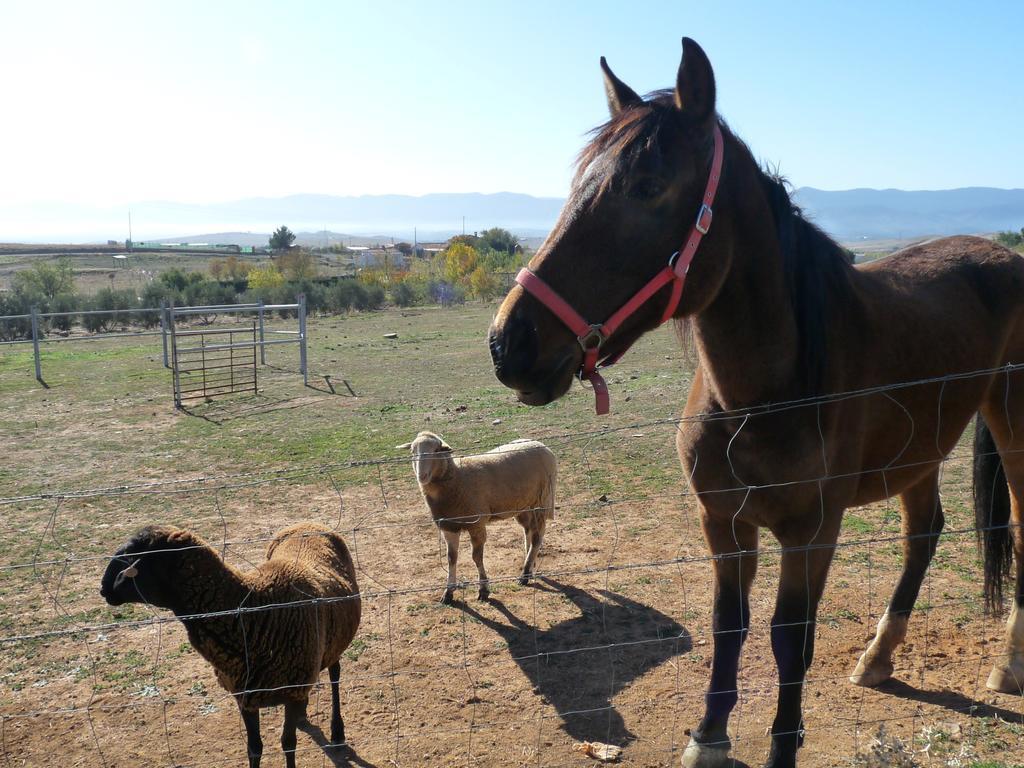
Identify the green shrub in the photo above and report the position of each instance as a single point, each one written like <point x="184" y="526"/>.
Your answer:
<point x="154" y="295"/>
<point x="1010" y="239"/>
<point x="64" y="302"/>
<point x="342" y="296"/>
<point x="373" y="298"/>
<point x="11" y="330"/>
<point x="108" y="301"/>
<point x="403" y="294"/>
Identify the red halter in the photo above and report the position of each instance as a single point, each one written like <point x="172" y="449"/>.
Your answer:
<point x="592" y="336"/>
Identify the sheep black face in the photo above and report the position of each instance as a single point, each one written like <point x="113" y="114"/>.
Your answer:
<point x="142" y="570"/>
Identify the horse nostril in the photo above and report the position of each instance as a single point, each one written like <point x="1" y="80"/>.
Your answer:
<point x="495" y="348"/>
<point x="513" y="348"/>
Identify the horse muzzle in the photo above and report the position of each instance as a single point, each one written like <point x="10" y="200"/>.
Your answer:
<point x="514" y="344"/>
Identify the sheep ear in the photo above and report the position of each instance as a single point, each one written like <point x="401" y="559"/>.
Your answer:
<point x="403" y="447"/>
<point x="444" y="447"/>
<point x="128" y="573"/>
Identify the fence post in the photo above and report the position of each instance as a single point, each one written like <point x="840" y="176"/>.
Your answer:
<point x="263" y="349"/>
<point x="175" y="373"/>
<point x="163" y="330"/>
<point x="301" y="298"/>
<point x="35" y="343"/>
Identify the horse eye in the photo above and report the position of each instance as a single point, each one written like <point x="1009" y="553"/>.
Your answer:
<point x="645" y="189"/>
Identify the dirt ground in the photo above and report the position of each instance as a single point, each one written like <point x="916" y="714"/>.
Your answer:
<point x="612" y="643"/>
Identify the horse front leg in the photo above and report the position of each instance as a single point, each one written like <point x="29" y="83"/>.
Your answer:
<point x="803" y="571"/>
<point x="734" y="547"/>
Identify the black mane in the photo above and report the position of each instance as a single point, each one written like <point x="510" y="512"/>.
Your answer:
<point x="631" y="133"/>
<point x="816" y="268"/>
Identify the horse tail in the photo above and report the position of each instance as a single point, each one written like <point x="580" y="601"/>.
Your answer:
<point x="991" y="514"/>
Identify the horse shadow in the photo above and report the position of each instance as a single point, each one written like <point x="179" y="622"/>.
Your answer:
<point x="954" y="701"/>
<point x="579" y="665"/>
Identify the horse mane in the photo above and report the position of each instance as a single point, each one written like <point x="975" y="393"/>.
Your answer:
<point x="816" y="269"/>
<point x="631" y="133"/>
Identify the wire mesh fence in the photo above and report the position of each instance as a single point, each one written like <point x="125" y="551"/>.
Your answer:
<point x="611" y="642"/>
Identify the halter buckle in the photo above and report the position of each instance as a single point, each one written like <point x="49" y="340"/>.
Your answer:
<point x="592" y="339"/>
<point x="704" y="216"/>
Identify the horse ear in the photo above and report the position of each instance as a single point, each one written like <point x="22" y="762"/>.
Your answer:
<point x="619" y="94"/>
<point x="695" y="83"/>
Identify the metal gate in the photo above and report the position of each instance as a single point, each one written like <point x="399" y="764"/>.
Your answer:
<point x="212" y="362"/>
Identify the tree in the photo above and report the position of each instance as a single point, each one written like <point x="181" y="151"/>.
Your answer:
<point x="499" y="239"/>
<point x="178" y="279"/>
<point x="1010" y="239"/>
<point x="235" y="268"/>
<point x="282" y="239"/>
<point x="297" y="265"/>
<point x="482" y="283"/>
<point x="404" y="248"/>
<point x="44" y="280"/>
<point x="265" y="277"/>
<point x="460" y="261"/>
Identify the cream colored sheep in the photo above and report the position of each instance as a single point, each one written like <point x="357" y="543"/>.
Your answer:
<point x="467" y="493"/>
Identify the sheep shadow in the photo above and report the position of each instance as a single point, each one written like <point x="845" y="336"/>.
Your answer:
<point x="339" y="756"/>
<point x="579" y="665"/>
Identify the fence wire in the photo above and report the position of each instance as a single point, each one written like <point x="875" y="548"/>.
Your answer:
<point x="610" y="643"/>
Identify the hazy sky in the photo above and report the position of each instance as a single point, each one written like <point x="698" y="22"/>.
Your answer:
<point x="110" y="102"/>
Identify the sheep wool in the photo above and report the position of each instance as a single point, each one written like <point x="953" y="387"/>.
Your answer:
<point x="468" y="493"/>
<point x="263" y="657"/>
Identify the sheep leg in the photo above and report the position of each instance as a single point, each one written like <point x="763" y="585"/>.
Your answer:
<point x="533" y="537"/>
<point x="478" y="536"/>
<point x="451" y="539"/>
<point x="337" y="724"/>
<point x="254" y="744"/>
<point x="294" y="711"/>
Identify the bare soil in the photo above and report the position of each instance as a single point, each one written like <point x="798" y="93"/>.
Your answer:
<point x="612" y="643"/>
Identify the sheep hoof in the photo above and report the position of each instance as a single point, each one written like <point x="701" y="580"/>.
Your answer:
<point x="484" y="594"/>
<point x="447" y="598"/>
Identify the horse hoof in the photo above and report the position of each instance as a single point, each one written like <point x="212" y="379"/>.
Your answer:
<point x="447" y="598"/>
<point x="1008" y="678"/>
<point x="705" y="756"/>
<point x="870" y="673"/>
<point x="484" y="595"/>
<point x="523" y="580"/>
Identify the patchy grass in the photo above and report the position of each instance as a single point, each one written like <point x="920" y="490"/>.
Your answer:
<point x="625" y="559"/>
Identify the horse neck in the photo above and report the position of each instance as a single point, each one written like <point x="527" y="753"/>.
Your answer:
<point x="746" y="337"/>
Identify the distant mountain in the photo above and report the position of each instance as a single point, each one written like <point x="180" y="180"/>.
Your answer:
<point x="847" y="215"/>
<point x="431" y="216"/>
<point x="855" y="214"/>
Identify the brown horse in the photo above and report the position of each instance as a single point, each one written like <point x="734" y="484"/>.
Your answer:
<point x="782" y="324"/>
